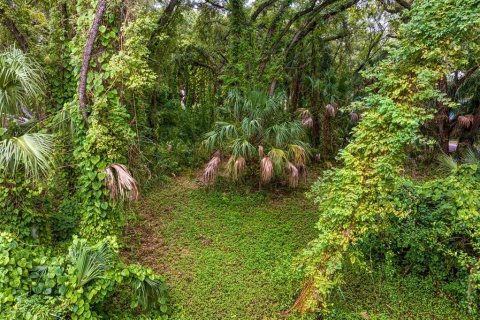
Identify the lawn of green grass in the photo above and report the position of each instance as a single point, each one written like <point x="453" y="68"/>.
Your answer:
<point x="228" y="255"/>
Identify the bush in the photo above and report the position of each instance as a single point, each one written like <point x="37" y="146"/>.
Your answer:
<point x="38" y="285"/>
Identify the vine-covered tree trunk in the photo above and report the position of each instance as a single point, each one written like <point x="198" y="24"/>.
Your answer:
<point x="82" y="87"/>
<point x="10" y="24"/>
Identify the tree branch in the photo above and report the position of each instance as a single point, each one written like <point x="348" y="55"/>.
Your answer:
<point x="404" y="4"/>
<point x="214" y="4"/>
<point x="311" y="24"/>
<point x="82" y="87"/>
<point x="260" y="8"/>
<point x="10" y="24"/>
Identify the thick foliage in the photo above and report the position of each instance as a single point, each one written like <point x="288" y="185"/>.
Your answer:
<point x="258" y="129"/>
<point x="38" y="285"/>
<point x="359" y="200"/>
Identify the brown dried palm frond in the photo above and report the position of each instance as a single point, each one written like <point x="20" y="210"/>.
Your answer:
<point x="306" y="115"/>
<point x="298" y="154"/>
<point x="331" y="110"/>
<point x="236" y="167"/>
<point x="211" y="169"/>
<point x="261" y="152"/>
<point x="354" y="117"/>
<point x="120" y="182"/>
<point x="307" y="122"/>
<point x="239" y="167"/>
<point x="466" y="120"/>
<point x="266" y="169"/>
<point x="292" y="174"/>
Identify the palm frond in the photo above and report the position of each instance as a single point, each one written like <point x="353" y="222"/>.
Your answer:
<point x="148" y="291"/>
<point x="32" y="151"/>
<point x="120" y="182"/>
<point x="354" y="117"/>
<point x="297" y="154"/>
<point x="236" y="167"/>
<point x="306" y="116"/>
<point x="211" y="169"/>
<point x="278" y="157"/>
<point x="90" y="263"/>
<point x="243" y="148"/>
<point x="331" y="110"/>
<point x="266" y="169"/>
<point x="470" y="156"/>
<point x="280" y="134"/>
<point x="466" y="120"/>
<point x="446" y="163"/>
<point x="292" y="174"/>
<point x="20" y="81"/>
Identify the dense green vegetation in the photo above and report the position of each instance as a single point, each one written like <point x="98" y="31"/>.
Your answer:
<point x="106" y="105"/>
<point x="227" y="254"/>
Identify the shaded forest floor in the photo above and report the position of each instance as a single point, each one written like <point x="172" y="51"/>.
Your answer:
<point x="228" y="255"/>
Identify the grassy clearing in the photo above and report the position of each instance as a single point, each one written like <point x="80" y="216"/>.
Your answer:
<point x="228" y="255"/>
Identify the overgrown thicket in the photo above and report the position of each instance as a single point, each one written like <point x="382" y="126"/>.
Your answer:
<point x="371" y="207"/>
<point x="99" y="98"/>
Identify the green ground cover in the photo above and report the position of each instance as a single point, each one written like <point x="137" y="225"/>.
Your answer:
<point x="228" y="255"/>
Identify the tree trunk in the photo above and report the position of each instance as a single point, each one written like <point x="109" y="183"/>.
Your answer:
<point x="442" y="120"/>
<point x="22" y="42"/>
<point x="82" y="87"/>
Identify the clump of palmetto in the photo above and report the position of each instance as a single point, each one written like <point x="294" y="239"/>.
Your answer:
<point x="258" y="133"/>
<point x="120" y="182"/>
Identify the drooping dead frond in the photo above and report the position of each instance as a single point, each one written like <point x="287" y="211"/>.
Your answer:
<point x="298" y="154"/>
<point x="279" y="158"/>
<point x="120" y="182"/>
<point x="354" y="117"/>
<point x="239" y="167"/>
<point x="261" y="152"/>
<point x="211" y="169"/>
<point x="236" y="166"/>
<point x="331" y="110"/>
<point x="266" y="169"/>
<point x="466" y="120"/>
<point x="292" y="174"/>
<point x="307" y="122"/>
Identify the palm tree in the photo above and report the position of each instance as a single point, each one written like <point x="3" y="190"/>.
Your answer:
<point x="258" y="129"/>
<point x="20" y="87"/>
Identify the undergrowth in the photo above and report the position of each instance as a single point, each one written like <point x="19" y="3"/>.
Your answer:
<point x="228" y="255"/>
